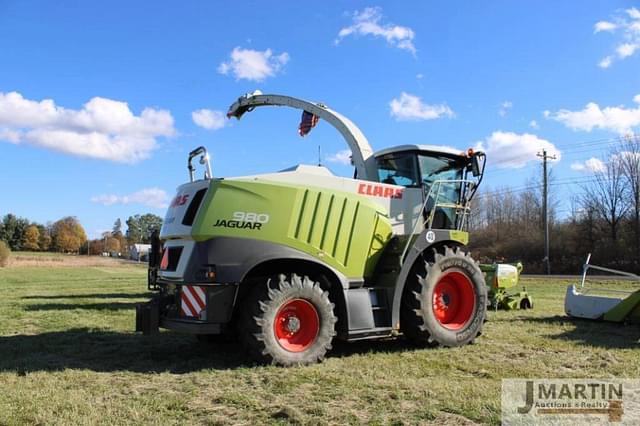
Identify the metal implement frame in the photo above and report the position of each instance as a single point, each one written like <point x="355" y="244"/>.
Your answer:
<point x="587" y="266"/>
<point x="622" y="308"/>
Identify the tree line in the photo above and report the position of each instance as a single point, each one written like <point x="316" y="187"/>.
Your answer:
<point x="506" y="224"/>
<point x="67" y="235"/>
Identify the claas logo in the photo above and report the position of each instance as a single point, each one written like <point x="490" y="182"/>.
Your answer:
<point x="180" y="200"/>
<point x="379" y="191"/>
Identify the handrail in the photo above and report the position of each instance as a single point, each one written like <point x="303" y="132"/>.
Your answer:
<point x="436" y="204"/>
<point x="204" y="160"/>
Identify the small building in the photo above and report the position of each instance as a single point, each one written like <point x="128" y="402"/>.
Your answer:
<point x="139" y="252"/>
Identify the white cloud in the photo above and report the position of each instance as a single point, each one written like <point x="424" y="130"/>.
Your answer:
<point x="626" y="49"/>
<point x="534" y="124"/>
<point x="604" y="26"/>
<point x="9" y="135"/>
<point x="341" y="157"/>
<point x="150" y="197"/>
<point x="592" y="165"/>
<point x="595" y="165"/>
<point x="628" y="27"/>
<point x="102" y="128"/>
<point x="505" y="107"/>
<point x="605" y="62"/>
<point x="209" y="119"/>
<point x="615" y="119"/>
<point x="410" y="108"/>
<point x="512" y="150"/>
<point x="368" y="22"/>
<point x="253" y="65"/>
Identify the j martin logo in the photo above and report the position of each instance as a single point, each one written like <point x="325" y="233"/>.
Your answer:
<point x="567" y="401"/>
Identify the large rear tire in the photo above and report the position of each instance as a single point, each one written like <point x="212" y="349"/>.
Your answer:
<point x="287" y="320"/>
<point x="445" y="302"/>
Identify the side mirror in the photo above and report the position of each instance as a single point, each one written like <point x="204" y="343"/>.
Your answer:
<point x="475" y="166"/>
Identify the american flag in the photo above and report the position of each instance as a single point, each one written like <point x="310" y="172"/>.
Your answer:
<point x="307" y="123"/>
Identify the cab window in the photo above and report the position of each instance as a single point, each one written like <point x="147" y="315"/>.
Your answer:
<point x="399" y="169"/>
<point x="448" y="171"/>
<point x="439" y="168"/>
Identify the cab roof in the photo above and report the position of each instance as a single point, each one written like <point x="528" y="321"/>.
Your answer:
<point x="432" y="149"/>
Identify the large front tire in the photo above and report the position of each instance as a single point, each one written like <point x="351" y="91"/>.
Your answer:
<point x="288" y="320"/>
<point x="445" y="303"/>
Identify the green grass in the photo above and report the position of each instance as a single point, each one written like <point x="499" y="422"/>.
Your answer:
<point x="68" y="355"/>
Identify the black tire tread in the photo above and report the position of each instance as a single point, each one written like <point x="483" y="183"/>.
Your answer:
<point x="413" y="324"/>
<point x="265" y="298"/>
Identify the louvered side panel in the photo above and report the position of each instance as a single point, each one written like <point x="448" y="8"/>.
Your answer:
<point x="304" y="215"/>
<point x="345" y="231"/>
<point x="319" y="220"/>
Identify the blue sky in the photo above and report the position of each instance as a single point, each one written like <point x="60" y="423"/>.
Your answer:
<point x="97" y="100"/>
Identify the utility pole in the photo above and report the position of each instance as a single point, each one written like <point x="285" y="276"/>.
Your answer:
<point x="545" y="212"/>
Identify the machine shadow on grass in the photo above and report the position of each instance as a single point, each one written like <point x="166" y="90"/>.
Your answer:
<point x="593" y="333"/>
<point x="59" y="304"/>
<point x="342" y="349"/>
<point x="90" y="296"/>
<point x="111" y="351"/>
<point x="109" y="306"/>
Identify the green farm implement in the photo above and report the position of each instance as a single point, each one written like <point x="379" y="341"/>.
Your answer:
<point x="501" y="279"/>
<point x="603" y="304"/>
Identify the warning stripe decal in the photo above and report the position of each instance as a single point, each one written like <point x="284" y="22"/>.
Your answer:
<point x="192" y="300"/>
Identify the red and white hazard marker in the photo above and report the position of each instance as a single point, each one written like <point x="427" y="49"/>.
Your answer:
<point x="192" y="300"/>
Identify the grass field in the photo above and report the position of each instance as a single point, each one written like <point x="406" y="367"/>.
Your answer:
<point x="68" y="355"/>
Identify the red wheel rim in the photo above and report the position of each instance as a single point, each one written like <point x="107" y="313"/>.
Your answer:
<point x="453" y="300"/>
<point x="297" y="325"/>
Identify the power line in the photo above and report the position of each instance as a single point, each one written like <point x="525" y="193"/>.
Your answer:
<point x="566" y="151"/>
<point x="558" y="182"/>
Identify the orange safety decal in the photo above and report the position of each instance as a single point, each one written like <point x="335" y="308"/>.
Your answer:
<point x="164" y="263"/>
<point x="193" y="300"/>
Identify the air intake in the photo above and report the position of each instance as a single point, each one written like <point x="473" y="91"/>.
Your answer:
<point x="190" y="215"/>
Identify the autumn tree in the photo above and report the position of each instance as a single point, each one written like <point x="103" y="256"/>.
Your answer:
<point x="111" y="243"/>
<point x="5" y="253"/>
<point x="68" y="235"/>
<point x="31" y="238"/>
<point x="44" y="240"/>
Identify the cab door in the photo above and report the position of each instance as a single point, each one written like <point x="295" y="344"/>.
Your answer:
<point x="401" y="168"/>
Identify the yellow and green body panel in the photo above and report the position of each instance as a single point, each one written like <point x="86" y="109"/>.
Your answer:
<point x="627" y="310"/>
<point x="344" y="230"/>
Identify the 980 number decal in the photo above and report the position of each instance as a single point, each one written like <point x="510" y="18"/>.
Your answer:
<point x="244" y="220"/>
<point x="251" y="217"/>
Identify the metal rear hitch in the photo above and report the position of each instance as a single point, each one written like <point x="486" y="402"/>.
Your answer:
<point x="148" y="317"/>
